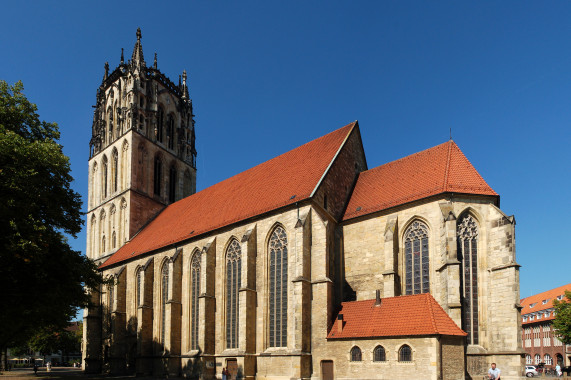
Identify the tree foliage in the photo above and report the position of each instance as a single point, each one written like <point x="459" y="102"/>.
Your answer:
<point x="562" y="322"/>
<point x="41" y="277"/>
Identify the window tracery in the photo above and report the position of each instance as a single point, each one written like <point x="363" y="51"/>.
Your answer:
<point x="417" y="277"/>
<point x="194" y="294"/>
<point x="278" y="256"/>
<point x="467" y="233"/>
<point x="405" y="354"/>
<point x="379" y="354"/>
<point x="233" y="277"/>
<point x="164" y="299"/>
<point x="356" y="355"/>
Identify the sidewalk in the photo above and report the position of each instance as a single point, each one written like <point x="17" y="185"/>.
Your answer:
<point x="59" y="373"/>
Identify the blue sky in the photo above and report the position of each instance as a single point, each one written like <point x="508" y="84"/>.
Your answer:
<point x="266" y="77"/>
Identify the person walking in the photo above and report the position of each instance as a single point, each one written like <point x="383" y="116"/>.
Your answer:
<point x="35" y="369"/>
<point x="49" y="366"/>
<point x="224" y="374"/>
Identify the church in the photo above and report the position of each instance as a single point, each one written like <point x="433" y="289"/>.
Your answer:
<point x="308" y="266"/>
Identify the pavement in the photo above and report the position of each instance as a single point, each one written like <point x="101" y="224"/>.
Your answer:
<point x="59" y="373"/>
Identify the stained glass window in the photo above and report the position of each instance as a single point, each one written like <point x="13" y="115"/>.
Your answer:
<point x="164" y="299"/>
<point x="467" y="232"/>
<point x="104" y="168"/>
<point x="160" y="121"/>
<point x="379" y="354"/>
<point x="194" y="293"/>
<point x="233" y="274"/>
<point x="170" y="132"/>
<point x="114" y="168"/>
<point x="417" y="278"/>
<point x="278" y="288"/>
<point x="356" y="354"/>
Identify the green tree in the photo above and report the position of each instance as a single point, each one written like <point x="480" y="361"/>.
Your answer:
<point x="41" y="277"/>
<point x="562" y="321"/>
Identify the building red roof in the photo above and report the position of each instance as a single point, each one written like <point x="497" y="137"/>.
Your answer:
<point x="440" y="169"/>
<point x="281" y="181"/>
<point x="540" y="302"/>
<point x="418" y="314"/>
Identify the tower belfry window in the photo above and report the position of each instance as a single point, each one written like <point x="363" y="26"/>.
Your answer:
<point x="160" y="121"/>
<point x="158" y="176"/>
<point x="170" y="132"/>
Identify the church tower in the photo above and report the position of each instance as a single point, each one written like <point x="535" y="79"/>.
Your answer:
<point x="142" y="153"/>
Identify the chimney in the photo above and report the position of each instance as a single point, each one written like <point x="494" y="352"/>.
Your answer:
<point x="378" y="298"/>
<point x="339" y="322"/>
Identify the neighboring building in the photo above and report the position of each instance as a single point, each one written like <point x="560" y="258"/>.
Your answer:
<point x="307" y="266"/>
<point x="539" y="341"/>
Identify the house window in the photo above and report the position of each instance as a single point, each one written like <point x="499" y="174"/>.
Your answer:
<point x="537" y="359"/>
<point x="356" y="354"/>
<point x="416" y="259"/>
<point x="467" y="232"/>
<point x="233" y="275"/>
<point x="278" y="288"/>
<point x="547" y="359"/>
<point x="379" y="354"/>
<point x="559" y="298"/>
<point x="525" y="318"/>
<point x="532" y="305"/>
<point x="194" y="293"/>
<point x="405" y="354"/>
<point x="164" y="300"/>
<point x="528" y="359"/>
<point x="544" y="301"/>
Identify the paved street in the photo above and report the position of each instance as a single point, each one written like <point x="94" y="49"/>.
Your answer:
<point x="57" y="373"/>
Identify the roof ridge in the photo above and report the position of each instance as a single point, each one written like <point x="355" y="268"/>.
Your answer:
<point x="447" y="170"/>
<point x="410" y="156"/>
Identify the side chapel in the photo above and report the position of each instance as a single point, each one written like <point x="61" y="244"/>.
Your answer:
<point x="307" y="266"/>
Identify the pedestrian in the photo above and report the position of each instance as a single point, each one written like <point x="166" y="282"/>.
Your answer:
<point x="494" y="373"/>
<point x="35" y="369"/>
<point x="224" y="376"/>
<point x="49" y="366"/>
<point x="558" y="370"/>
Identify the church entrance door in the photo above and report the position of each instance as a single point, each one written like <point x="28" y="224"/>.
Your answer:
<point x="232" y="366"/>
<point x="327" y="370"/>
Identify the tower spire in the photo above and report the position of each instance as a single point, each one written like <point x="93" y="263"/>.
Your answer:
<point x="106" y="71"/>
<point x="122" y="57"/>
<point x="155" y="62"/>
<point x="137" y="57"/>
<point x="184" y="88"/>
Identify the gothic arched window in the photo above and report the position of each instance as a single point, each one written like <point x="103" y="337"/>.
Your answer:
<point x="194" y="293"/>
<point x="103" y="244"/>
<point x="104" y="167"/>
<point x="164" y="300"/>
<point x="278" y="288"/>
<point x="113" y="240"/>
<point x="467" y="232"/>
<point x="379" y="354"/>
<point x="356" y="355"/>
<point x="417" y="279"/>
<point x="114" y="168"/>
<point x="172" y="184"/>
<point x="170" y="132"/>
<point x="233" y="275"/>
<point x="405" y="354"/>
<point x="158" y="176"/>
<point x="139" y="287"/>
<point x="186" y="184"/>
<point x="160" y="123"/>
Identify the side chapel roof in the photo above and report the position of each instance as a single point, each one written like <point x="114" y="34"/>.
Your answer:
<point x="284" y="180"/>
<point x="440" y="169"/>
<point x="418" y="314"/>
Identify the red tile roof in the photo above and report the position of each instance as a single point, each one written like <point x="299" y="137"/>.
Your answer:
<point x="440" y="169"/>
<point x="538" y="305"/>
<point x="260" y="189"/>
<point x="396" y="316"/>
